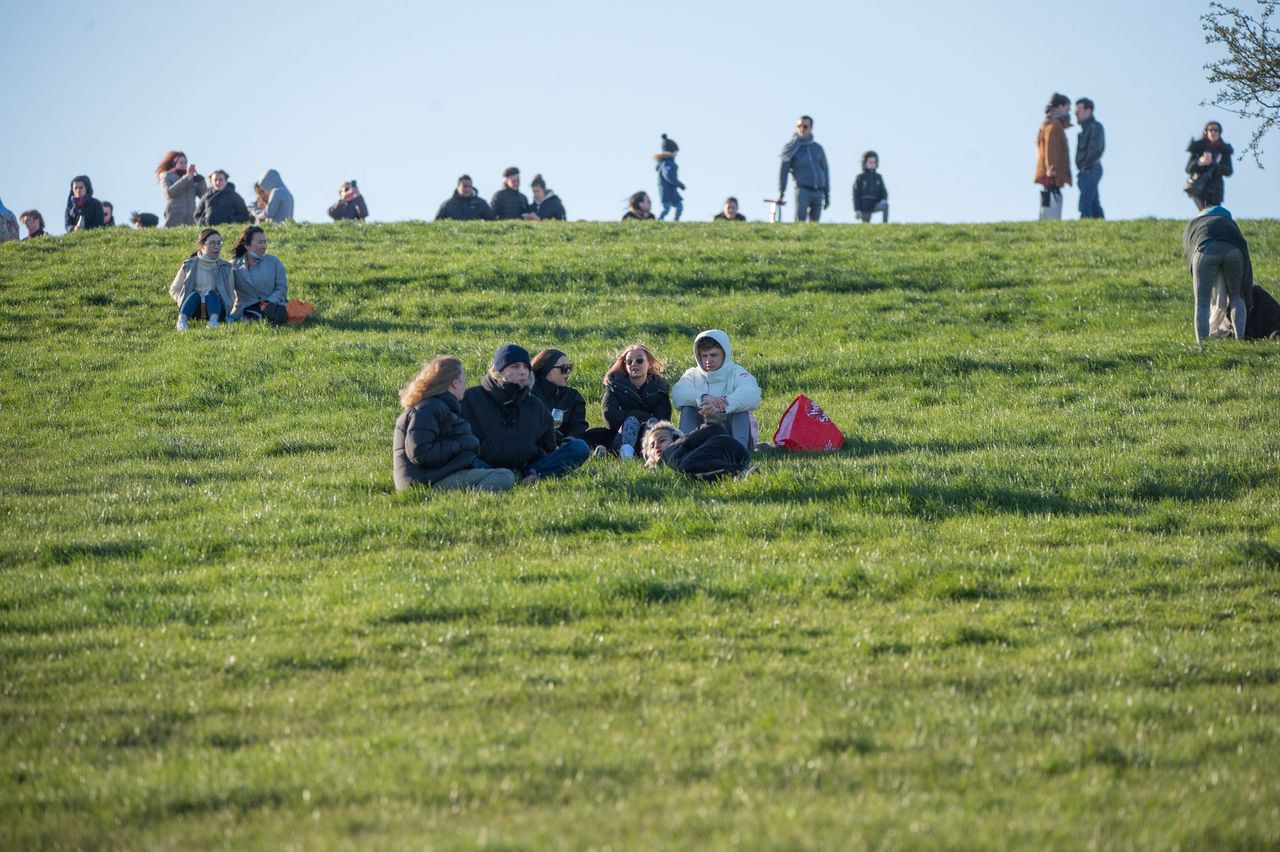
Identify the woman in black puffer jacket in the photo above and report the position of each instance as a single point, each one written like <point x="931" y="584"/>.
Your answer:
<point x="1209" y="161"/>
<point x="634" y="394"/>
<point x="432" y="444"/>
<point x="551" y="370"/>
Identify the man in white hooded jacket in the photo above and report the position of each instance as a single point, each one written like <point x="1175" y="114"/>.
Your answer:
<point x="717" y="389"/>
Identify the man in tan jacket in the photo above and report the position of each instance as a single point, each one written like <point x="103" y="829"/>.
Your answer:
<point x="1053" y="160"/>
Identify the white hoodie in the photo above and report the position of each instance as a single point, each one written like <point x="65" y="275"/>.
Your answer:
<point x="730" y="381"/>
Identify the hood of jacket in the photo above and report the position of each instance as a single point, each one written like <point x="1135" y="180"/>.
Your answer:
<point x="721" y="338"/>
<point x="1216" y="210"/>
<point x="797" y="142"/>
<point x="664" y="155"/>
<point x="88" y="185"/>
<point x="270" y="180"/>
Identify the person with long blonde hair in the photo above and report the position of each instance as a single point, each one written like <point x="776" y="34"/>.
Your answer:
<point x="635" y="393"/>
<point x="432" y="445"/>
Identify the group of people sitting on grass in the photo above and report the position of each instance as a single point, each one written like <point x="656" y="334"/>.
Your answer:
<point x="252" y="287"/>
<point x="523" y="422"/>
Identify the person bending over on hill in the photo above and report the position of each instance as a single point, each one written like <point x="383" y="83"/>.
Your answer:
<point x="546" y="204"/>
<point x="84" y="212"/>
<point x="1221" y="270"/>
<point x="635" y="394"/>
<point x="350" y="203"/>
<point x="869" y="192"/>
<point x="221" y="205"/>
<point x="34" y="223"/>
<point x="432" y="444"/>
<point x="709" y="452"/>
<point x="669" y="184"/>
<point x="509" y="202"/>
<point x="729" y="212"/>
<point x="181" y="186"/>
<point x="8" y="225"/>
<point x="514" y="427"/>
<point x="144" y="220"/>
<point x="465" y="205"/>
<point x="275" y="201"/>
<point x="639" y="206"/>
<point x="568" y="409"/>
<point x="716" y="390"/>
<point x="262" y="288"/>
<point x="204" y="283"/>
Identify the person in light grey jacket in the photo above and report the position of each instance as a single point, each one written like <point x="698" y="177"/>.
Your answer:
<point x="262" y="289"/>
<point x="279" y="200"/>
<point x="182" y="185"/>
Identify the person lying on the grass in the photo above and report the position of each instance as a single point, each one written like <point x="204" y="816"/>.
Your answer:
<point x="716" y="389"/>
<point x="204" y="280"/>
<point x="514" y="427"/>
<point x="262" y="288"/>
<point x="709" y="452"/>
<point x="634" y="394"/>
<point x="568" y="409"/>
<point x="432" y="445"/>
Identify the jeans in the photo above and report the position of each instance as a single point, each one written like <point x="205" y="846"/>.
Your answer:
<point x="191" y="305"/>
<point x="678" y="206"/>
<point x="738" y="424"/>
<point x="1218" y="265"/>
<point x="569" y="456"/>
<point x="1090" y="205"/>
<point x="808" y="204"/>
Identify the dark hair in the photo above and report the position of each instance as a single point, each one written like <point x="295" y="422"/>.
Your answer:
<point x="144" y="220"/>
<point x="168" y="161"/>
<point x="537" y="181"/>
<point x="867" y="155"/>
<point x="222" y="172"/>
<point x="636" y="197"/>
<point x="1058" y="100"/>
<point x="706" y="343"/>
<point x="206" y="233"/>
<point x="108" y="204"/>
<point x="246" y="236"/>
<point x="732" y="200"/>
<point x="545" y="360"/>
<point x="28" y="214"/>
<point x="510" y="171"/>
<point x="1209" y="124"/>
<point x="1086" y="103"/>
<point x="462" y="178"/>
<point x="807" y="118"/>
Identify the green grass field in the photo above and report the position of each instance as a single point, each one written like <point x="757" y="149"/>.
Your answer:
<point x="1034" y="602"/>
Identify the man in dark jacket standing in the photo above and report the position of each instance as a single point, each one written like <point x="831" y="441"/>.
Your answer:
<point x="805" y="159"/>
<point x="1220" y="269"/>
<point x="465" y="204"/>
<point x="1089" y="147"/>
<point x="514" y="427"/>
<point x="509" y="202"/>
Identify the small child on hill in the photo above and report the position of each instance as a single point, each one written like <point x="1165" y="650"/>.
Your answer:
<point x="869" y="192"/>
<point x="716" y="390"/>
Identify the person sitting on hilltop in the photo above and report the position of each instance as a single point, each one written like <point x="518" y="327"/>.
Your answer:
<point x="144" y="220"/>
<point x="204" y="283"/>
<point x="716" y="390"/>
<point x="568" y="409"/>
<point x="262" y="288"/>
<point x="181" y="185"/>
<point x="509" y="202"/>
<point x="109" y="216"/>
<point x="350" y="203"/>
<point x="465" y="205"/>
<point x="34" y="223"/>
<point x="84" y="212"/>
<point x="729" y="212"/>
<point x="635" y="394"/>
<point x="8" y="225"/>
<point x="546" y="204"/>
<point x="639" y="206"/>
<point x="275" y="201"/>
<point x="221" y="205"/>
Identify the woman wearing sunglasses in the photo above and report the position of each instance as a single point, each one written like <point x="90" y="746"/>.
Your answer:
<point x="568" y="409"/>
<point x="635" y="393"/>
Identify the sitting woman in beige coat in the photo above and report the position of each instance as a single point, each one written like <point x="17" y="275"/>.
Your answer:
<point x="205" y="281"/>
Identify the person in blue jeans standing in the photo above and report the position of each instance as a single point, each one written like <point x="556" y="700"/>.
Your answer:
<point x="669" y="184"/>
<point x="514" y="427"/>
<point x="1089" y="147"/>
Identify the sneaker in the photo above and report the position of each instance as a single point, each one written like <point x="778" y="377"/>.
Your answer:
<point x="627" y="451"/>
<point x="213" y="321"/>
<point x="182" y="323"/>
<point x="599" y="452"/>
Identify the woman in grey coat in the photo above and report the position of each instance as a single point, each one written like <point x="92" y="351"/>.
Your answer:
<point x="182" y="186"/>
<point x="262" y="290"/>
<point x="275" y="201"/>
<point x="204" y="280"/>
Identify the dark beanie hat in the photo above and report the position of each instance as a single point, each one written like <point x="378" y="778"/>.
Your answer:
<point x="669" y="144"/>
<point x="549" y="361"/>
<point x="508" y="354"/>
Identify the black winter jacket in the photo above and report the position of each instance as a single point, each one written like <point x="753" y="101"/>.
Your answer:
<point x="708" y="452"/>
<point x="353" y="209"/>
<point x="431" y="441"/>
<point x="868" y="191"/>
<point x="220" y="206"/>
<point x="508" y="203"/>
<point x="548" y="208"/>
<point x="567" y="400"/>
<point x="1215" y="190"/>
<point x="1090" y="144"/>
<point x="623" y="399"/>
<point x="471" y="207"/>
<point x="514" y="427"/>
<point x="91" y="210"/>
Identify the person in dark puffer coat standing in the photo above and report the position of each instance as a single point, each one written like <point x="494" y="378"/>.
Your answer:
<point x="669" y="183"/>
<point x="514" y="427"/>
<point x="432" y="444"/>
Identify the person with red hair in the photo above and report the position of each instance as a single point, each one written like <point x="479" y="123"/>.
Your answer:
<point x="182" y="185"/>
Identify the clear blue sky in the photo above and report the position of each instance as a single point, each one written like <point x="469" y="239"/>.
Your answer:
<point x="407" y="96"/>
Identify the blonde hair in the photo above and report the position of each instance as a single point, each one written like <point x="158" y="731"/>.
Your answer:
<point x="649" y="446"/>
<point x="656" y="365"/>
<point x="436" y="376"/>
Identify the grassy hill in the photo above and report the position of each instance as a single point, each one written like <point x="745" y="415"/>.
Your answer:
<point x="1035" y="601"/>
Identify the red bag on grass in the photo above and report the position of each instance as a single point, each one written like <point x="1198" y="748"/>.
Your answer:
<point x="806" y="427"/>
